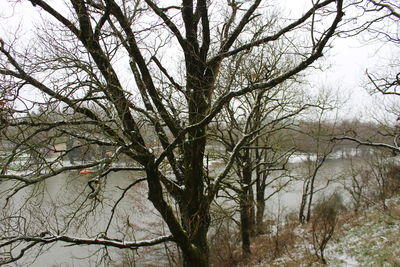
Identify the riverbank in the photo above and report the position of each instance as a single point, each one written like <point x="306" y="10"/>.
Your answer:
<point x="367" y="238"/>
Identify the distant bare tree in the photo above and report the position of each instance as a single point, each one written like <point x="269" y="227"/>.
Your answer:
<point x="322" y="146"/>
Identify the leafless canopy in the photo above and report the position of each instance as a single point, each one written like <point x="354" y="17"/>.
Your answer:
<point x="134" y="81"/>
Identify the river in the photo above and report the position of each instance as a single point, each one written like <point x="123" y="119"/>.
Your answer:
<point x="62" y="202"/>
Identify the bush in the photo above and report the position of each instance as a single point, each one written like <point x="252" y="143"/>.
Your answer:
<point x="323" y="223"/>
<point x="393" y="179"/>
<point x="224" y="251"/>
<point x="373" y="182"/>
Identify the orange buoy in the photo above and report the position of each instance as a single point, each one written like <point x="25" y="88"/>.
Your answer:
<point x="86" y="172"/>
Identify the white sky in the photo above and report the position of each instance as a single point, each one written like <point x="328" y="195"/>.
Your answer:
<point x="348" y="59"/>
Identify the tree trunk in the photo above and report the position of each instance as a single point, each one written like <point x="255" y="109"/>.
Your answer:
<point x="244" y="228"/>
<point x="260" y="229"/>
<point x="197" y="259"/>
<point x="303" y="203"/>
<point x="252" y="212"/>
<point x="260" y="198"/>
<point x="310" y="199"/>
<point x="191" y="233"/>
<point x="246" y="205"/>
<point x="194" y="206"/>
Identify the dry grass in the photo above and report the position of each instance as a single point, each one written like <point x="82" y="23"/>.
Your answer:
<point x="291" y="244"/>
<point x="267" y="248"/>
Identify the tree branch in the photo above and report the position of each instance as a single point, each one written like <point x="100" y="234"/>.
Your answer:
<point x="224" y="50"/>
<point x="161" y="13"/>
<point x="367" y="143"/>
<point x="47" y="238"/>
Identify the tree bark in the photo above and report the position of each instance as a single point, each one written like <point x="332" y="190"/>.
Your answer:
<point x="246" y="205"/>
<point x="260" y="204"/>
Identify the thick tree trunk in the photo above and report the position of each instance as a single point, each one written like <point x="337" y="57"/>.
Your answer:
<point x="191" y="233"/>
<point x="198" y="259"/>
<point x="194" y="206"/>
<point x="196" y="221"/>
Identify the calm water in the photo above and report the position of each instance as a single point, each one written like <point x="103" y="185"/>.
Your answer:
<point x="65" y="197"/>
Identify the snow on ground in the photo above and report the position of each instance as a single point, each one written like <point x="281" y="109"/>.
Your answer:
<point x="368" y="239"/>
<point x="348" y="261"/>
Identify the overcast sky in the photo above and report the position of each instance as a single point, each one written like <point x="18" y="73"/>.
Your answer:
<point x="348" y="59"/>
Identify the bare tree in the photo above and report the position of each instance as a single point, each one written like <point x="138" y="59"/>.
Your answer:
<point x="324" y="223"/>
<point x="261" y="162"/>
<point x="101" y="66"/>
<point x="321" y="133"/>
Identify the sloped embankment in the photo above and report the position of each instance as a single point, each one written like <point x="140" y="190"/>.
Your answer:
<point x="367" y="239"/>
<point x="372" y="239"/>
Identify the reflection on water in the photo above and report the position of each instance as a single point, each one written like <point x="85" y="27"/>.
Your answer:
<point x="329" y="179"/>
<point x="61" y="205"/>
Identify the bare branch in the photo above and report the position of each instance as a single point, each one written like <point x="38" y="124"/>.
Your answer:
<point x="161" y="13"/>
<point x="47" y="238"/>
<point x="367" y="143"/>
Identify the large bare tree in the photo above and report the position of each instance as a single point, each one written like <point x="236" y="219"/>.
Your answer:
<point x="126" y="74"/>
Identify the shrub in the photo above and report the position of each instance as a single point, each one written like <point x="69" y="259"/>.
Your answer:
<point x="323" y="223"/>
